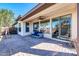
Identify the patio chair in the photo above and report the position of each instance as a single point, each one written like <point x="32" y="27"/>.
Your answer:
<point x="37" y="34"/>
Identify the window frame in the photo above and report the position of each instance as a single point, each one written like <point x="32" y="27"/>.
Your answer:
<point x="19" y="27"/>
<point x="26" y="27"/>
<point x="47" y="29"/>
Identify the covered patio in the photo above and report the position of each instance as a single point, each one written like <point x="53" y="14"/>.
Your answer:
<point x="16" y="45"/>
<point x="58" y="23"/>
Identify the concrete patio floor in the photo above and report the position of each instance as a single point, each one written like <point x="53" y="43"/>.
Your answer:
<point x="16" y="45"/>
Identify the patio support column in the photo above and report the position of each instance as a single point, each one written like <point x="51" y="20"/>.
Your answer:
<point x="31" y="27"/>
<point x="22" y="28"/>
<point x="50" y="27"/>
<point x="75" y="28"/>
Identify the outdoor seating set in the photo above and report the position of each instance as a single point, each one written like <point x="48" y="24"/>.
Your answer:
<point x="37" y="34"/>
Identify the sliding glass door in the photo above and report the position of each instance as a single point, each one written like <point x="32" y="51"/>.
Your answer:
<point x="65" y="26"/>
<point x="61" y="27"/>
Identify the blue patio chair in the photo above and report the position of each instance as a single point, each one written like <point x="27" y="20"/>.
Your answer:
<point x="37" y="34"/>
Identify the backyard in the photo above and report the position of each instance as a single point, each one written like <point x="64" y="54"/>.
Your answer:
<point x="16" y="45"/>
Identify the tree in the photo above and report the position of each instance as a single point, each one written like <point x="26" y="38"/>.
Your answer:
<point x="6" y="18"/>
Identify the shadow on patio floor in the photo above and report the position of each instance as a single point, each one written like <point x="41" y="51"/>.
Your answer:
<point x="17" y="44"/>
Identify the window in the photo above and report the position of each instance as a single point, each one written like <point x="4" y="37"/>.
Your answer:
<point x="36" y="26"/>
<point x="27" y="27"/>
<point x="45" y="26"/>
<point x="19" y="27"/>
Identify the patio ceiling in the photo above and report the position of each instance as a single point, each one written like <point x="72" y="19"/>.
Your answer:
<point x="36" y="9"/>
<point x="53" y="9"/>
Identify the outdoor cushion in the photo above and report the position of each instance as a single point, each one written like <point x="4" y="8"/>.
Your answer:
<point x="37" y="33"/>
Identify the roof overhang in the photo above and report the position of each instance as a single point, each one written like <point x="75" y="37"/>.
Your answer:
<point x="17" y="19"/>
<point x="50" y="11"/>
<point x="14" y="23"/>
<point x="40" y="7"/>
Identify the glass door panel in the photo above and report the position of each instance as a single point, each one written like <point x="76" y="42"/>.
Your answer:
<point x="55" y="28"/>
<point x="65" y="26"/>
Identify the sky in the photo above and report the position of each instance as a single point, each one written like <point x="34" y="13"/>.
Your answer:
<point x="18" y="8"/>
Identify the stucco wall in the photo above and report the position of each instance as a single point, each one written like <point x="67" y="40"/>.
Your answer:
<point x="76" y="29"/>
<point x="22" y="27"/>
<point x="30" y="29"/>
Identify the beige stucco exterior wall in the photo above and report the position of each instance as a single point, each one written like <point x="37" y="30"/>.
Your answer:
<point x="23" y="28"/>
